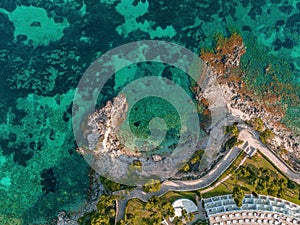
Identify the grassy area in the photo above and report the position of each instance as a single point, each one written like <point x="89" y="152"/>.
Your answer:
<point x="137" y="208"/>
<point x="254" y="164"/>
<point x="231" y="168"/>
<point x="219" y="190"/>
<point x="234" y="165"/>
<point x="172" y="196"/>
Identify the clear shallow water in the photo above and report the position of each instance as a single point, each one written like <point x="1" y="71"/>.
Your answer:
<point x="45" y="47"/>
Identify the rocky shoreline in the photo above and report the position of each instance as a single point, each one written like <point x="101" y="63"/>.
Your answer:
<point x="248" y="108"/>
<point x="229" y="101"/>
<point x="242" y="103"/>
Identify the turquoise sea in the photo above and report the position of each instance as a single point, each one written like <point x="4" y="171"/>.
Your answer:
<point x="46" y="46"/>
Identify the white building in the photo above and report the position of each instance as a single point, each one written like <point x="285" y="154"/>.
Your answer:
<point x="184" y="204"/>
<point x="255" y="210"/>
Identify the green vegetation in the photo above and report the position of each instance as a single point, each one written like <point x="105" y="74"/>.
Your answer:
<point x="135" y="166"/>
<point x="257" y="124"/>
<point x="238" y="196"/>
<point x="156" y="209"/>
<point x="231" y="143"/>
<point x="232" y="130"/>
<point x="186" y="168"/>
<point x="266" y="136"/>
<point x="196" y="157"/>
<point x="152" y="212"/>
<point x="257" y="175"/>
<point x="110" y="185"/>
<point x="202" y="223"/>
<point x="193" y="163"/>
<point x="222" y="189"/>
<point x="105" y="213"/>
<point x="262" y="180"/>
<point x="113" y="186"/>
<point x="151" y="186"/>
<point x="219" y="190"/>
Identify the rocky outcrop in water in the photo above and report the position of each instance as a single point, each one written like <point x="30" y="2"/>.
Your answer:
<point x="104" y="125"/>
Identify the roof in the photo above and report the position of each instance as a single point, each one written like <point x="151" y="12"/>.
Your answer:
<point x="225" y="203"/>
<point x="186" y="204"/>
<point x="252" y="217"/>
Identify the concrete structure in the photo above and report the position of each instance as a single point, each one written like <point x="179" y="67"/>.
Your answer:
<point x="249" y="150"/>
<point x="255" y="210"/>
<point x="252" y="218"/>
<point x="184" y="204"/>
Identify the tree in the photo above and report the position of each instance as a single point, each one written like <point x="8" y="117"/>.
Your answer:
<point x="232" y="130"/>
<point x="151" y="186"/>
<point x="231" y="143"/>
<point x="257" y="124"/>
<point x="110" y="185"/>
<point x="197" y="156"/>
<point x="167" y="209"/>
<point x="121" y="222"/>
<point x="177" y="221"/>
<point x="135" y="166"/>
<point x="192" y="216"/>
<point x="186" y="167"/>
<point x="291" y="184"/>
<point x="266" y="136"/>
<point x="238" y="196"/>
<point x="243" y="172"/>
<point x="185" y="215"/>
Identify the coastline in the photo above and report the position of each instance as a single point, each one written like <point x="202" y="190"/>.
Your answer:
<point x="228" y="103"/>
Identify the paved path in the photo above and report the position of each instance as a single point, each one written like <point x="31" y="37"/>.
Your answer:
<point x="224" y="179"/>
<point x="177" y="185"/>
<point x="212" y="176"/>
<point x="252" y="138"/>
<point x="120" y="210"/>
<point x="215" y="95"/>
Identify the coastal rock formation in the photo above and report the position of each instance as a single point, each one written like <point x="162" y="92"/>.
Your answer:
<point x="226" y="56"/>
<point x="104" y="125"/>
<point x="246" y="107"/>
<point x="243" y="104"/>
<point x="112" y="149"/>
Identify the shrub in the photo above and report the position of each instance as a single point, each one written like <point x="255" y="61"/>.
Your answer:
<point x="257" y="124"/>
<point x="291" y="184"/>
<point x="186" y="167"/>
<point x="231" y="143"/>
<point x="110" y="185"/>
<point x="232" y="130"/>
<point x="238" y="196"/>
<point x="152" y="186"/>
<point x="266" y="135"/>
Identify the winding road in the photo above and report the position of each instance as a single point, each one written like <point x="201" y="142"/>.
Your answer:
<point x="218" y="107"/>
<point x="209" y="178"/>
<point x="178" y="185"/>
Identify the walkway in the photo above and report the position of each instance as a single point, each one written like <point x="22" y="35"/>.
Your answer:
<point x="218" y="107"/>
<point x="177" y="185"/>
<point x="211" y="177"/>
<point x="224" y="179"/>
<point x="253" y="141"/>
